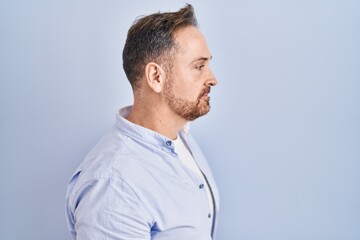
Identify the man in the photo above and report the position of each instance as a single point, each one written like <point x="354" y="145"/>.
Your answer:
<point x="147" y="178"/>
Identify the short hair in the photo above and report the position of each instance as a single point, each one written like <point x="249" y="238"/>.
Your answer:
<point x="151" y="38"/>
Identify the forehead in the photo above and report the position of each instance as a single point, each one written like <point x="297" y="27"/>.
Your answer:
<point x="192" y="44"/>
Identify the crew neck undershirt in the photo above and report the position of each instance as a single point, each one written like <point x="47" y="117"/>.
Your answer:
<point x="188" y="160"/>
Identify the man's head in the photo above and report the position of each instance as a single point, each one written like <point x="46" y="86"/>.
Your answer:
<point x="167" y="51"/>
<point x="151" y="39"/>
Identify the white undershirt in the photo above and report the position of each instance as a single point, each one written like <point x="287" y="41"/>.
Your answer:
<point x="187" y="159"/>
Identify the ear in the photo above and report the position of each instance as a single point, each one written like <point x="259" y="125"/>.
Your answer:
<point x="155" y="76"/>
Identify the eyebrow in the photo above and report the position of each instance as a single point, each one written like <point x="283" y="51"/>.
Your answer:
<point x="202" y="59"/>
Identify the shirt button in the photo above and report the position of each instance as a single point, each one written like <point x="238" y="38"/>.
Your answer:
<point x="201" y="186"/>
<point x="168" y="143"/>
<point x="209" y="215"/>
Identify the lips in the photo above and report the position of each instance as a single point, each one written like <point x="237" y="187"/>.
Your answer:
<point x="204" y="94"/>
<point x="207" y="90"/>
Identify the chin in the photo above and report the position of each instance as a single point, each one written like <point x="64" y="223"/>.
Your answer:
<point x="196" y="113"/>
<point x="205" y="111"/>
<point x="205" y="108"/>
<point x="201" y="111"/>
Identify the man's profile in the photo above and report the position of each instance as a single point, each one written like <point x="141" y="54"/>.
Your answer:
<point x="147" y="178"/>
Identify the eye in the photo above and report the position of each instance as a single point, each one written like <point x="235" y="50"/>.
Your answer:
<point x="200" y="67"/>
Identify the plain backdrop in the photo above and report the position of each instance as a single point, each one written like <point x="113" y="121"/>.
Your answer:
<point x="282" y="138"/>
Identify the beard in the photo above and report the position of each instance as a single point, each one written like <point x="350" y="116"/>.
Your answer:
<point x="189" y="110"/>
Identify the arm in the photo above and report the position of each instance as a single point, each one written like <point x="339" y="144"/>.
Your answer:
<point x="107" y="208"/>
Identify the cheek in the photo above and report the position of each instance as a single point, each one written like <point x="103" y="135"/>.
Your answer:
<point x="189" y="91"/>
<point x="187" y="86"/>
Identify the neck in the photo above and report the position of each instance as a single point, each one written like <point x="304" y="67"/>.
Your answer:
<point x="157" y="118"/>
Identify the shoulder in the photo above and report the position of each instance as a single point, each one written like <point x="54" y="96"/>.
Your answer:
<point x="116" y="157"/>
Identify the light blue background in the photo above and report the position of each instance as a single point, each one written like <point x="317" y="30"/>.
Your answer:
<point x="283" y="136"/>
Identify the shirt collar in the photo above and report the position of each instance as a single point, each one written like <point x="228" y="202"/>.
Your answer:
<point x="140" y="133"/>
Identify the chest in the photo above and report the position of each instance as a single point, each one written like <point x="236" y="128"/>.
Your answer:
<point x="176" y="199"/>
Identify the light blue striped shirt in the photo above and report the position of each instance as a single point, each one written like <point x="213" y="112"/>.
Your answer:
<point x="132" y="186"/>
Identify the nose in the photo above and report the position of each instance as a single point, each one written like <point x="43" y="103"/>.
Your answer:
<point x="211" y="79"/>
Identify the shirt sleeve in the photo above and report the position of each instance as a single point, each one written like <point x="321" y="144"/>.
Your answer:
<point x="107" y="209"/>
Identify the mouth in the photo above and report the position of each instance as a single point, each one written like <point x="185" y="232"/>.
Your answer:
<point x="207" y="90"/>
<point x="206" y="93"/>
<point x="206" y="97"/>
